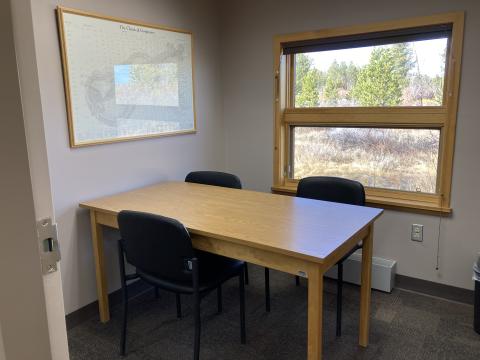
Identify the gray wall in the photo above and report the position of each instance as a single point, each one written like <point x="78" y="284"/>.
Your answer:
<point x="90" y="172"/>
<point x="248" y="27"/>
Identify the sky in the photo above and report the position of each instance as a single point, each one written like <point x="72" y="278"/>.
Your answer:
<point x="428" y="51"/>
<point x="122" y="73"/>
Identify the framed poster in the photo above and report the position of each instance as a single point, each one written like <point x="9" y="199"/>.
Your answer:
<point x="125" y="80"/>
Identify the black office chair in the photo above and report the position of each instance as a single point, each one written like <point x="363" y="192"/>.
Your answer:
<point x="217" y="178"/>
<point x="332" y="189"/>
<point x="161" y="250"/>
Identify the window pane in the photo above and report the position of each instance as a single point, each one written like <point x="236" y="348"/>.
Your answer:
<point x="402" y="159"/>
<point x="404" y="74"/>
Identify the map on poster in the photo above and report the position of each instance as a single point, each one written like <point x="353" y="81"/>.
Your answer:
<point x="124" y="80"/>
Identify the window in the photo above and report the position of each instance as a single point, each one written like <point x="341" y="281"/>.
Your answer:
<point x="373" y="103"/>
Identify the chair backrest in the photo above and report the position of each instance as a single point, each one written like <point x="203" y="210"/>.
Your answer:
<point x="332" y="189"/>
<point x="156" y="244"/>
<point x="215" y="178"/>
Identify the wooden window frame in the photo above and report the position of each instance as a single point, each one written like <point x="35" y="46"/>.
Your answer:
<point x="439" y="117"/>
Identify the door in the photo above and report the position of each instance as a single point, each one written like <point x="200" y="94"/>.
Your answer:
<point x="32" y="316"/>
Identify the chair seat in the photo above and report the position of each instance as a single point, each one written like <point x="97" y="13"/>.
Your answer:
<point x="213" y="271"/>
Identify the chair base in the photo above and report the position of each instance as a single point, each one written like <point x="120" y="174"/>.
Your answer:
<point x="197" y="294"/>
<point x="339" y="289"/>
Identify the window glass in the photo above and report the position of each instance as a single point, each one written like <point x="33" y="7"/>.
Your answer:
<point x="401" y="159"/>
<point x="403" y="74"/>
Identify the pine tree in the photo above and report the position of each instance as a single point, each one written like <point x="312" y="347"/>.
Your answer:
<point x="382" y="81"/>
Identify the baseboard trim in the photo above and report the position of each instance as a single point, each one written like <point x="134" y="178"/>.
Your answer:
<point x="84" y="313"/>
<point x="435" y="289"/>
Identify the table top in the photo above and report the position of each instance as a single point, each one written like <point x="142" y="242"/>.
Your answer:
<point x="303" y="228"/>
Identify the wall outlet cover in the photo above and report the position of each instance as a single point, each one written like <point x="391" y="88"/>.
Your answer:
<point x="417" y="232"/>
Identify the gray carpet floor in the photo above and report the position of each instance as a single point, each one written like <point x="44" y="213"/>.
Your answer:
<point x="404" y="325"/>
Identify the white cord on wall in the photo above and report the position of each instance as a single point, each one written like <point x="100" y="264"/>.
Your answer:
<point x="438" y="241"/>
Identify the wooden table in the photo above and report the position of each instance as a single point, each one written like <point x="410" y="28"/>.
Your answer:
<point x="298" y="236"/>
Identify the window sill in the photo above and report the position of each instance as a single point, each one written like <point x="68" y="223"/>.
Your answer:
<point x="383" y="202"/>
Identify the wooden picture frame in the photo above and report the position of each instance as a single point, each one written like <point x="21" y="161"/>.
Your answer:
<point x="124" y="79"/>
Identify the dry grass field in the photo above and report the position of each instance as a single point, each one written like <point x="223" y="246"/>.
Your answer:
<point x="403" y="159"/>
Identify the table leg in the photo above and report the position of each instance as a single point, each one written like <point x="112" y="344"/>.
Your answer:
<point x="365" y="291"/>
<point x="315" y="312"/>
<point x="97" y="240"/>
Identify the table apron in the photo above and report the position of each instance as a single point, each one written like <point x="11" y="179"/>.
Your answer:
<point x="347" y="246"/>
<point x="272" y="260"/>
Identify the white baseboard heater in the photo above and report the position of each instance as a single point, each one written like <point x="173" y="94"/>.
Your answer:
<point x="383" y="271"/>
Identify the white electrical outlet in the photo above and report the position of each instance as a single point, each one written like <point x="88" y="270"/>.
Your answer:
<point x="417" y="232"/>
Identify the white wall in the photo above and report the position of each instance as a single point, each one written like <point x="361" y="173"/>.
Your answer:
<point x="248" y="28"/>
<point x="234" y="83"/>
<point x="38" y="161"/>
<point x="86" y="173"/>
<point x="23" y="316"/>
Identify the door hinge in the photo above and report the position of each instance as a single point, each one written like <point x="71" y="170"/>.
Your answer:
<point x="48" y="243"/>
